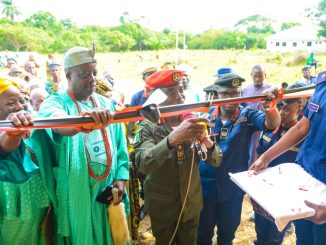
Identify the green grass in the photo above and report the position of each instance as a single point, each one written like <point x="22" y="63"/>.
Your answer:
<point x="204" y="63"/>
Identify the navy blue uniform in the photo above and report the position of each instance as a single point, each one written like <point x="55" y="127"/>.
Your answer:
<point x="222" y="199"/>
<point x="267" y="232"/>
<point x="312" y="157"/>
<point x="138" y="98"/>
<point x="270" y="138"/>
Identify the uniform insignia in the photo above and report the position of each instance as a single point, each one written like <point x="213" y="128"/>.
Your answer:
<point x="235" y="82"/>
<point x="312" y="106"/>
<point x="180" y="152"/>
<point x="138" y="137"/>
<point x="241" y="119"/>
<point x="176" y="77"/>
<point x="224" y="133"/>
<point x="267" y="139"/>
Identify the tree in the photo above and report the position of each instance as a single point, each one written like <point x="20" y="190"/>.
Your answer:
<point x="256" y="24"/>
<point x="10" y="10"/>
<point x="45" y="21"/>
<point x="318" y="15"/>
<point x="288" y="25"/>
<point x="19" y="38"/>
<point x="67" y="23"/>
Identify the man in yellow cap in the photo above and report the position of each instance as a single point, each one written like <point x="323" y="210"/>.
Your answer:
<point x="85" y="160"/>
<point x="23" y="198"/>
<point x="165" y="154"/>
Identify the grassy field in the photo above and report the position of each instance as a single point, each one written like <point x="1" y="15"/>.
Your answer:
<point x="280" y="68"/>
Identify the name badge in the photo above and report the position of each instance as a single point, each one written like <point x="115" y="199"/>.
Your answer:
<point x="314" y="107"/>
<point x="224" y="133"/>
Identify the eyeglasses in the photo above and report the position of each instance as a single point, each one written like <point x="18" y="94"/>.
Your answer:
<point x="87" y="74"/>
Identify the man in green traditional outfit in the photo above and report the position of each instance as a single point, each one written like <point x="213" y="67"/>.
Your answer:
<point x="23" y="198"/>
<point x="77" y="164"/>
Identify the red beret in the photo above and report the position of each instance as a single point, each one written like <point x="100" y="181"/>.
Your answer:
<point x="163" y="78"/>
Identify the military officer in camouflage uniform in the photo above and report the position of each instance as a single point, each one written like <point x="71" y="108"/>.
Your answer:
<point x="165" y="154"/>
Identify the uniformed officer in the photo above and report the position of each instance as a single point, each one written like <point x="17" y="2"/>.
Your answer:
<point x="164" y="152"/>
<point x="233" y="125"/>
<point x="312" y="155"/>
<point x="290" y="109"/>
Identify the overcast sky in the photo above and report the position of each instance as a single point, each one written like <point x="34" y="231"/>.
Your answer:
<point x="194" y="16"/>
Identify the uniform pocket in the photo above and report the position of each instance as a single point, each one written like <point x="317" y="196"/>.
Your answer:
<point x="160" y="200"/>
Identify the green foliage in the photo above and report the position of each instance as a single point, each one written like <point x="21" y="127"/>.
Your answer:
<point x="276" y="58"/>
<point x="288" y="25"/>
<point x="42" y="32"/>
<point x="256" y="24"/>
<point x="44" y="21"/>
<point x="318" y="15"/>
<point x="10" y="10"/>
<point x="18" y="38"/>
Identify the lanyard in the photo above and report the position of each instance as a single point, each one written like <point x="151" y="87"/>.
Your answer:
<point x="106" y="143"/>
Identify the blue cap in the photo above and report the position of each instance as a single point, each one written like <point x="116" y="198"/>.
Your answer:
<point x="321" y="77"/>
<point x="223" y="71"/>
<point x="54" y="65"/>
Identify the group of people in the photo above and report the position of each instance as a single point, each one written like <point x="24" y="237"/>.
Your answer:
<point x="51" y="179"/>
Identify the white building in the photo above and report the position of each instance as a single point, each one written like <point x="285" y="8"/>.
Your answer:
<point x="296" y="38"/>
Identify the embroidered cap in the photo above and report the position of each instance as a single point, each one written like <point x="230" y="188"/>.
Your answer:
<point x="78" y="55"/>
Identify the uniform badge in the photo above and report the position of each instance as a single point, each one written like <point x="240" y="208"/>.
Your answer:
<point x="267" y="139"/>
<point x="314" y="107"/>
<point x="242" y="119"/>
<point x="176" y="77"/>
<point x="224" y="133"/>
<point x="138" y="137"/>
<point x="235" y="82"/>
<point x="180" y="152"/>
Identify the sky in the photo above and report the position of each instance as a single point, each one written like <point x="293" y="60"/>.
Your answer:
<point x="193" y="16"/>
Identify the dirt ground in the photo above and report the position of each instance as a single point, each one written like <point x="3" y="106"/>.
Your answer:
<point x="245" y="234"/>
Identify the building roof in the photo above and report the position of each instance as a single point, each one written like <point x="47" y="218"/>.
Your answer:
<point x="297" y="33"/>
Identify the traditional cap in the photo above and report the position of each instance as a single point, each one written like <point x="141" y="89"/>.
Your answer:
<point x="306" y="67"/>
<point x="230" y="80"/>
<point x="223" y="71"/>
<point x="77" y="56"/>
<point x="321" y="77"/>
<point x="5" y="84"/>
<point x="54" y="65"/>
<point x="148" y="68"/>
<point x="167" y="66"/>
<point x="12" y="58"/>
<point x="163" y="78"/>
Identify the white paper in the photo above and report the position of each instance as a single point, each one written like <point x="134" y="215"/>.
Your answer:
<point x="157" y="97"/>
<point x="281" y="191"/>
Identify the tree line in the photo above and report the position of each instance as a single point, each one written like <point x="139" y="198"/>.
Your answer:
<point x="43" y="33"/>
